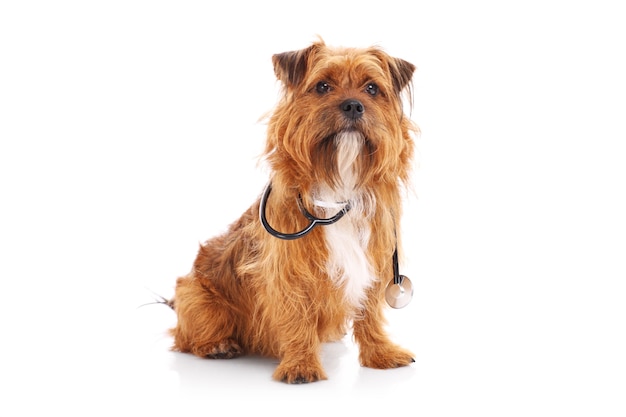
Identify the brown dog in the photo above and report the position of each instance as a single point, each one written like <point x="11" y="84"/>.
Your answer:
<point x="338" y="143"/>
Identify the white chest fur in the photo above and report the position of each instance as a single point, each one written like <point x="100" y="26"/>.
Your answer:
<point x="347" y="240"/>
<point x="348" y="264"/>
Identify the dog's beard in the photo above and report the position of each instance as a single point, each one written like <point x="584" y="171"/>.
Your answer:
<point x="340" y="159"/>
<point x="349" y="146"/>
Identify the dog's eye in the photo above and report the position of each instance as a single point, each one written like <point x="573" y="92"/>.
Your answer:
<point x="371" y="89"/>
<point x="322" y="87"/>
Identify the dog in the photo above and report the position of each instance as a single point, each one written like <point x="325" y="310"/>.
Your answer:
<point x="339" y="149"/>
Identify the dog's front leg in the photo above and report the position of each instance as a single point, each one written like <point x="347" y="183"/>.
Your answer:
<point x="300" y="357"/>
<point x="299" y="367"/>
<point x="375" y="348"/>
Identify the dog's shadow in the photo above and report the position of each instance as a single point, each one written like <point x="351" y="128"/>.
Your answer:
<point x="220" y="375"/>
<point x="250" y="372"/>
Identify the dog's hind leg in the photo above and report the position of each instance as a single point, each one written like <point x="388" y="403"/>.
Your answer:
<point x="206" y="325"/>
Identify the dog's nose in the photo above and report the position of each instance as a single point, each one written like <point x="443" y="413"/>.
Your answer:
<point x="352" y="108"/>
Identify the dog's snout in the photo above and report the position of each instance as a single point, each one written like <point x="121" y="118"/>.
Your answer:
<point x="352" y="109"/>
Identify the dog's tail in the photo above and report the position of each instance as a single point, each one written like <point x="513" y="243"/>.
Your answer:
<point x="159" y="299"/>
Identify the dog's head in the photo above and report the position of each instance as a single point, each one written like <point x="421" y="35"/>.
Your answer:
<point x="340" y="122"/>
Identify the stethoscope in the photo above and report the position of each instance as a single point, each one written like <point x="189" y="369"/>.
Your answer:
<point x="399" y="291"/>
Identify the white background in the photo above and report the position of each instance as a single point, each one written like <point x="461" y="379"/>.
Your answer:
<point x="129" y="133"/>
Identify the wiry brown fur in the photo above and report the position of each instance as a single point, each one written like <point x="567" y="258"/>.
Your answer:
<point x="250" y="292"/>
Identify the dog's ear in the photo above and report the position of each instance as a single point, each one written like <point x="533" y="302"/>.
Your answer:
<point x="401" y="73"/>
<point x="290" y="67"/>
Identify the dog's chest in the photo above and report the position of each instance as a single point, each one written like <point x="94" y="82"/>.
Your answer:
<point x="348" y="264"/>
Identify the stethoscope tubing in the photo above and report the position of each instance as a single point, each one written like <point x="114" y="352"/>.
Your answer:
<point x="314" y="221"/>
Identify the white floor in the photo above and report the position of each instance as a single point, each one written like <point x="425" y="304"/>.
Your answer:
<point x="128" y="134"/>
<point x="246" y="382"/>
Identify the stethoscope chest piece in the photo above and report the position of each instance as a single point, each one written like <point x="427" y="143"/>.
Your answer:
<point x="399" y="292"/>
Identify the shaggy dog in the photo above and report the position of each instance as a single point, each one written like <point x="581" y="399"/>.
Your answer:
<point x="339" y="148"/>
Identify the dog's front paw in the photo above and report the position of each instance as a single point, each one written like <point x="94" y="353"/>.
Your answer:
<point x="299" y="373"/>
<point x="385" y="357"/>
